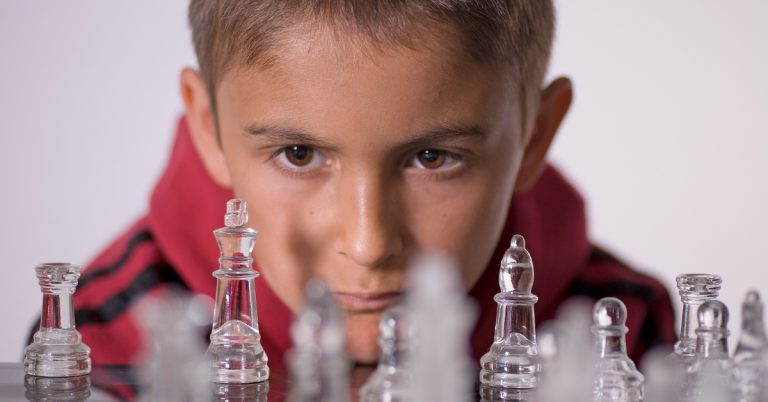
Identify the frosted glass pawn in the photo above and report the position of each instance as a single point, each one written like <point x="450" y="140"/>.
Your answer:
<point x="392" y="379"/>
<point x="568" y="368"/>
<point x="444" y="316"/>
<point x="694" y="290"/>
<point x="318" y="363"/>
<point x="707" y="376"/>
<point x="175" y="367"/>
<point x="748" y="369"/>
<point x="235" y="354"/>
<point x="617" y="378"/>
<point x="512" y="361"/>
<point x="58" y="349"/>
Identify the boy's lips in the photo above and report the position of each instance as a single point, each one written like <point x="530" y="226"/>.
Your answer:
<point x="367" y="302"/>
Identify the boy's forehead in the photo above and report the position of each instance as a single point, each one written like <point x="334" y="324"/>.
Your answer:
<point x="322" y="82"/>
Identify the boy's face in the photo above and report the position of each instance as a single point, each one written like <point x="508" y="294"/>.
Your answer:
<point x="351" y="162"/>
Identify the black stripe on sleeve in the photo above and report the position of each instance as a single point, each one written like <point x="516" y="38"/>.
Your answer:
<point x="153" y="275"/>
<point x="137" y="239"/>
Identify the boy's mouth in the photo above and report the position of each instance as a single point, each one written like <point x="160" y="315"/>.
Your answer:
<point x="356" y="303"/>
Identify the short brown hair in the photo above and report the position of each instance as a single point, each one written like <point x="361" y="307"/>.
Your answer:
<point x="519" y="33"/>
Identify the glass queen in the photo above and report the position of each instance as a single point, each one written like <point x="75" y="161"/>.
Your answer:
<point x="235" y="354"/>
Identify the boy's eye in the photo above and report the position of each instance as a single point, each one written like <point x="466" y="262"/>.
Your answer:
<point x="435" y="159"/>
<point x="299" y="156"/>
<point x="431" y="159"/>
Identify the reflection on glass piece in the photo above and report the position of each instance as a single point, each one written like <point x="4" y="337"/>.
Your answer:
<point x="392" y="379"/>
<point x="255" y="392"/>
<point x="235" y="354"/>
<point x="318" y="362"/>
<point x="512" y="361"/>
<point x="60" y="389"/>
<point x="496" y="394"/>
<point x="617" y="378"/>
<point x="57" y="350"/>
<point x="694" y="290"/>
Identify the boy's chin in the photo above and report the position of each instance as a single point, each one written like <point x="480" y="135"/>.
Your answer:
<point x="363" y="337"/>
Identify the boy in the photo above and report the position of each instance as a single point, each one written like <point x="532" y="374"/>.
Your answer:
<point x="360" y="132"/>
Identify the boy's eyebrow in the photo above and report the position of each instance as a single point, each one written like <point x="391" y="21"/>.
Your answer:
<point x="447" y="132"/>
<point x="289" y="135"/>
<point x="434" y="135"/>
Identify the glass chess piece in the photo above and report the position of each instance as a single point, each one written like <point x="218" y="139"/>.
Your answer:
<point x="512" y="361"/>
<point x="694" y="290"/>
<point x="319" y="368"/>
<point x="235" y="354"/>
<point x="391" y="381"/>
<point x="442" y="370"/>
<point x="617" y="378"/>
<point x="748" y="369"/>
<point x="174" y="366"/>
<point x="58" y="349"/>
<point x="662" y="379"/>
<point x="707" y="376"/>
<point x="565" y="352"/>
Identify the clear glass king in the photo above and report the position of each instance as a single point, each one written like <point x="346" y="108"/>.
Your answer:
<point x="58" y="349"/>
<point x="513" y="361"/>
<point x="235" y="354"/>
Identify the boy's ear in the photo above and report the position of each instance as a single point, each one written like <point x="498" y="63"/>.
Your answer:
<point x="202" y="128"/>
<point x="555" y="102"/>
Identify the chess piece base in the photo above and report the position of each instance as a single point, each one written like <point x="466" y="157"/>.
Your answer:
<point x="57" y="360"/>
<point x="237" y="364"/>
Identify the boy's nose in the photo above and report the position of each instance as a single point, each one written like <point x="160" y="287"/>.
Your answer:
<point x="368" y="231"/>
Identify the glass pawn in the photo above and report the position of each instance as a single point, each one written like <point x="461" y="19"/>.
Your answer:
<point x="391" y="381"/>
<point x="58" y="349"/>
<point x="235" y="354"/>
<point x="707" y="375"/>
<point x="748" y="370"/>
<point x="694" y="290"/>
<point x="318" y="364"/>
<point x="512" y="361"/>
<point x="445" y="318"/>
<point x="617" y="378"/>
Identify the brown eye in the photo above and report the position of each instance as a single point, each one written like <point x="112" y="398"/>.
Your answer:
<point x="299" y="155"/>
<point x="431" y="159"/>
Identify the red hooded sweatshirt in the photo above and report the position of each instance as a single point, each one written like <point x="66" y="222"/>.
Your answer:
<point x="173" y="245"/>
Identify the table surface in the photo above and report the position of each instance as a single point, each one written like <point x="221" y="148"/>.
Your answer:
<point x="122" y="383"/>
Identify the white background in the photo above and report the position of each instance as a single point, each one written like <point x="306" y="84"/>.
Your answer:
<point x="667" y="138"/>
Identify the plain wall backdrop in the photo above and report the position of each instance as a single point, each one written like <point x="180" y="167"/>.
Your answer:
<point x="667" y="138"/>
